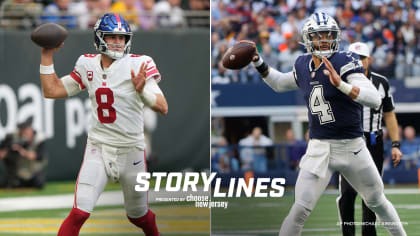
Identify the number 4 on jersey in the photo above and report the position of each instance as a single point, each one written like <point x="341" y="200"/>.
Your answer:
<point x="319" y="106"/>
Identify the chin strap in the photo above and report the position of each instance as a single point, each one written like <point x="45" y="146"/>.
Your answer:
<point x="114" y="55"/>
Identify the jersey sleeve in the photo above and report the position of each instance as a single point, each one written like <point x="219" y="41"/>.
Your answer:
<point x="350" y="64"/>
<point x="295" y="75"/>
<point x="77" y="72"/>
<point x="71" y="86"/>
<point x="73" y="82"/>
<point x="152" y="71"/>
<point x="387" y="101"/>
<point x="151" y="68"/>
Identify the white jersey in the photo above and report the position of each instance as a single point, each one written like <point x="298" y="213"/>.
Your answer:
<point x="117" y="109"/>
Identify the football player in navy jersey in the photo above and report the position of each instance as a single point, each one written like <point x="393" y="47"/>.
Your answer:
<point x="335" y="89"/>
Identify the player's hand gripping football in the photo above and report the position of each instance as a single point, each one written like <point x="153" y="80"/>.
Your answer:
<point x="48" y="53"/>
<point x="396" y="156"/>
<point x="256" y="55"/>
<point x="51" y="50"/>
<point x="139" y="80"/>
<point x="335" y="78"/>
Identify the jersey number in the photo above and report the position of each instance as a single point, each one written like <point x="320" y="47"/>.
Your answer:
<point x="105" y="99"/>
<point x="319" y="106"/>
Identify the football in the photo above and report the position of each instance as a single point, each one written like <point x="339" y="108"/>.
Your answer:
<point x="49" y="35"/>
<point x="239" y="56"/>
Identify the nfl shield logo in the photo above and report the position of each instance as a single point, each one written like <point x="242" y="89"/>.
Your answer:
<point x="90" y="75"/>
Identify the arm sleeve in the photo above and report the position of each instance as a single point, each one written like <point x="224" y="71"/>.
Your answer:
<point x="368" y="94"/>
<point x="72" y="86"/>
<point x="280" y="82"/>
<point x="152" y="86"/>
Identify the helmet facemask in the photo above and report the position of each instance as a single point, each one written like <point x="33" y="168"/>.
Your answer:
<point x="316" y="42"/>
<point x="105" y="49"/>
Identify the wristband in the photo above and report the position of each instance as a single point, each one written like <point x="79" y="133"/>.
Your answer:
<point x="148" y="98"/>
<point x="46" y="70"/>
<point x="345" y="87"/>
<point x="396" y="144"/>
<point x="259" y="62"/>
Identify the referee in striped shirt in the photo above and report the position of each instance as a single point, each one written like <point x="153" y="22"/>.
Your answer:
<point x="373" y="133"/>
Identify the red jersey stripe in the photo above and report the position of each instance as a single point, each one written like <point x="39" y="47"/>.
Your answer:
<point x="77" y="78"/>
<point x="155" y="71"/>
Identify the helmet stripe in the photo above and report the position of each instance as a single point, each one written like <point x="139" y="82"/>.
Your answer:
<point x="118" y="21"/>
<point x="317" y="18"/>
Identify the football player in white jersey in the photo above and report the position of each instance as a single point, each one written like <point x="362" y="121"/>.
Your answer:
<point x="119" y="86"/>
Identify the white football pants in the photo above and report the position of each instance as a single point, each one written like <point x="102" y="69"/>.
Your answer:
<point x="352" y="159"/>
<point x="102" y="163"/>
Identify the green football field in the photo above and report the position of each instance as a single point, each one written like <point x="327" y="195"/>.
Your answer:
<point x="263" y="216"/>
<point x="174" y="219"/>
<point x="244" y="216"/>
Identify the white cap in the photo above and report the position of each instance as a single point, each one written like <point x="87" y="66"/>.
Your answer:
<point x="360" y="49"/>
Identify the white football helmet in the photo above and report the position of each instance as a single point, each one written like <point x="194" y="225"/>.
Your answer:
<point x="314" y="25"/>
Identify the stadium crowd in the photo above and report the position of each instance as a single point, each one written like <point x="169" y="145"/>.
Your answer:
<point x="82" y="14"/>
<point x="391" y="29"/>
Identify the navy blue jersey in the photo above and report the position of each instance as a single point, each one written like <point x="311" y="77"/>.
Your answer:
<point x="332" y="114"/>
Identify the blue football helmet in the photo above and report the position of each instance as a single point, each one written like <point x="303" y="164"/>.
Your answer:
<point x="111" y="23"/>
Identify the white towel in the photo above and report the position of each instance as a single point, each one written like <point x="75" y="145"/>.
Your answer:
<point x="110" y="155"/>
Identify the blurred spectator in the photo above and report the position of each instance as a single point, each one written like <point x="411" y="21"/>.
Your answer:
<point x="327" y="6"/>
<point x="410" y="148"/>
<point x="295" y="149"/>
<point x="21" y="14"/>
<point x="219" y="74"/>
<point x="301" y="16"/>
<point x="200" y="7"/>
<point x="276" y="37"/>
<point x="239" y="12"/>
<point x="382" y="57"/>
<point x="129" y="9"/>
<point x="290" y="25"/>
<point x="169" y="13"/>
<point x="66" y="12"/>
<point x="401" y="68"/>
<point x="89" y="20"/>
<point x="253" y="151"/>
<point x="287" y="56"/>
<point x="218" y="13"/>
<point x="268" y="55"/>
<point x="102" y="7"/>
<point x="223" y="159"/>
<point x="23" y="153"/>
<point x="147" y="18"/>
